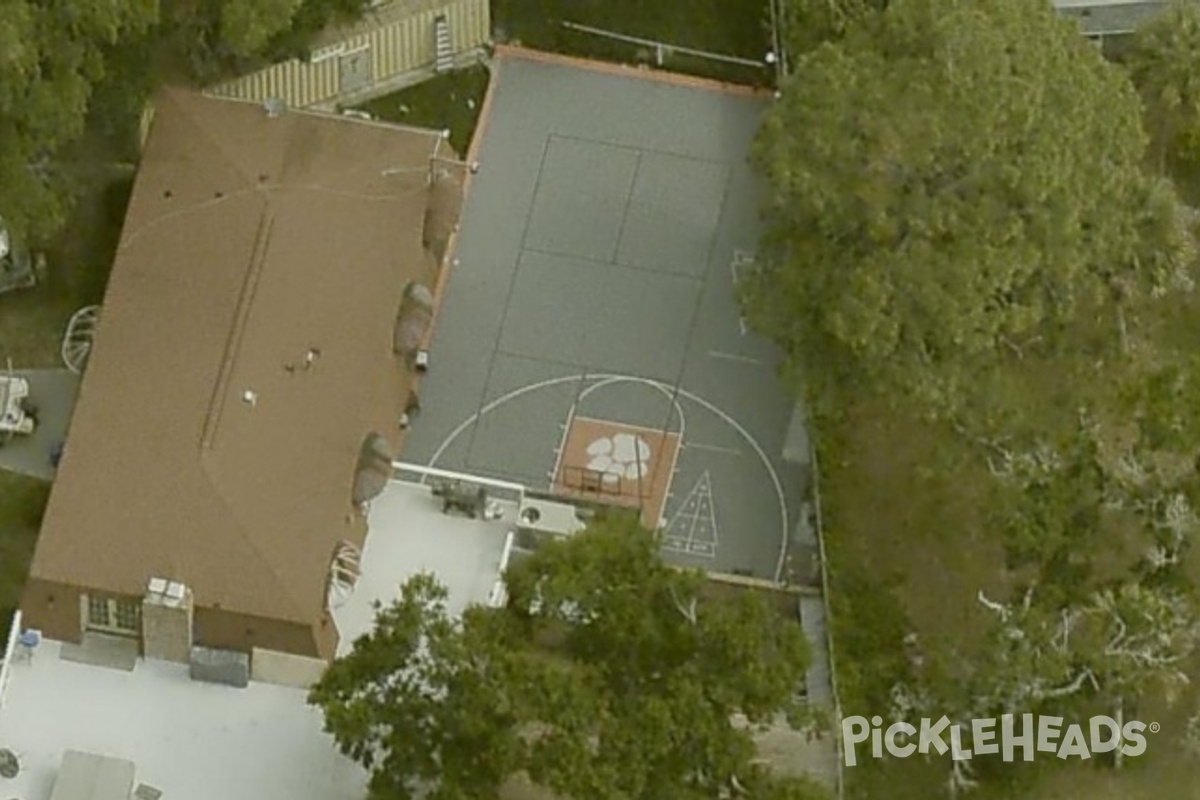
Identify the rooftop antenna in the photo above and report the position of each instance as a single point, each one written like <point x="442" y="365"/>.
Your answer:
<point x="273" y="106"/>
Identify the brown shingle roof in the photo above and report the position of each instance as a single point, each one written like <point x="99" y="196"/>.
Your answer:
<point x="249" y="242"/>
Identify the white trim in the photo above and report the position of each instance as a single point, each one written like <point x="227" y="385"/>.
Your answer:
<point x="499" y="595"/>
<point x="434" y="472"/>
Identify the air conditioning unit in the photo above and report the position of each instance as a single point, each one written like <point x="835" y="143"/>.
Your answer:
<point x="547" y="516"/>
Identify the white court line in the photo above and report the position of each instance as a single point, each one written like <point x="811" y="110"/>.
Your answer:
<point x="736" y="357"/>
<point x="712" y="448"/>
<point x="688" y="544"/>
<point x="740" y="259"/>
<point x="605" y="379"/>
<point x="662" y="388"/>
<point x="678" y="437"/>
<point x="661" y="522"/>
<point x="613" y="424"/>
<point x="562" y="445"/>
<point x="737" y="278"/>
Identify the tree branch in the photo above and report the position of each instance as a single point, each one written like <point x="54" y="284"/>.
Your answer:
<point x="688" y="611"/>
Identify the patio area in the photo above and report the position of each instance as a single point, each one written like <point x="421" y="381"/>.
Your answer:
<point x="194" y="740"/>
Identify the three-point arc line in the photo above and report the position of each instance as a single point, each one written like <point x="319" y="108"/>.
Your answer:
<point x="608" y="379"/>
<point x="571" y="413"/>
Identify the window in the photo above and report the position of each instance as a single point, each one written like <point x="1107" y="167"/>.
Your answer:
<point x="113" y="615"/>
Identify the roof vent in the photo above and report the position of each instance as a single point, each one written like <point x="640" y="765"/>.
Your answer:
<point x="274" y="107"/>
<point x="250" y="397"/>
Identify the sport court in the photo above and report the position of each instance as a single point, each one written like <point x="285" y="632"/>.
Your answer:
<point x="588" y="340"/>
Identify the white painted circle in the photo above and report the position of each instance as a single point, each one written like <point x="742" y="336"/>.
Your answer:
<point x="673" y="392"/>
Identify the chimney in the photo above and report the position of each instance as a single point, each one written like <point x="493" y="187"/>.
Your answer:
<point x="167" y="621"/>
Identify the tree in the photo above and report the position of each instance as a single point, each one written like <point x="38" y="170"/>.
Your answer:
<point x="607" y="675"/>
<point x="944" y="193"/>
<point x="1164" y="63"/>
<point x="232" y="35"/>
<point x="806" y="24"/>
<point x="65" y="65"/>
<point x="53" y="54"/>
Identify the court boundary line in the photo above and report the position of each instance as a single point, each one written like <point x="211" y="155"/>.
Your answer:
<point x="633" y="184"/>
<point x="610" y="378"/>
<point x="596" y="262"/>
<point x="562" y="444"/>
<point x="662" y="522"/>
<point x="677" y="79"/>
<point x="716" y="448"/>
<point x="723" y="164"/>
<point x="472" y="155"/>
<point x="512" y="286"/>
<point x="737" y="357"/>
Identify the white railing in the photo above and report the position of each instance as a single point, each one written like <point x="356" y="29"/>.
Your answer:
<point x="827" y="599"/>
<point x="499" y="595"/>
<point x="14" y="634"/>
<point x="434" y="472"/>
<point x="662" y="49"/>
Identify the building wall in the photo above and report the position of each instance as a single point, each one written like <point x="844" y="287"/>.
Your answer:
<point x="285" y="669"/>
<point x="226" y="630"/>
<point x="1099" y="18"/>
<point x="399" y="49"/>
<point x="54" y="609"/>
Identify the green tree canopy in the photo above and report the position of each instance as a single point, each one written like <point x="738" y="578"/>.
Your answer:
<point x="952" y="179"/>
<point x="64" y="64"/>
<point x="219" y="35"/>
<point x="51" y="55"/>
<point x="1164" y="63"/>
<point x="607" y="675"/>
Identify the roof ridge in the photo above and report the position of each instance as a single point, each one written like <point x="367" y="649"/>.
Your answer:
<point x="216" y="405"/>
<point x="220" y="396"/>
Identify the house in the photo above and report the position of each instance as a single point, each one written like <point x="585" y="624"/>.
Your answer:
<point x="398" y="43"/>
<point x="227" y="512"/>
<point x="1100" y="19"/>
<point x="244" y="384"/>
<point x="108" y="725"/>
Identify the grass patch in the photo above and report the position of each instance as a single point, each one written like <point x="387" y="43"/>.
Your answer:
<point x="22" y="502"/>
<point x="32" y="322"/>
<point x="451" y="101"/>
<point x="738" y="28"/>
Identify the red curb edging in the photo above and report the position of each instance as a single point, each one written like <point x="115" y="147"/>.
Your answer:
<point x="624" y="71"/>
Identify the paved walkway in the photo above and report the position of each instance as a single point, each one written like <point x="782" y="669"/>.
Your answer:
<point x="53" y="392"/>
